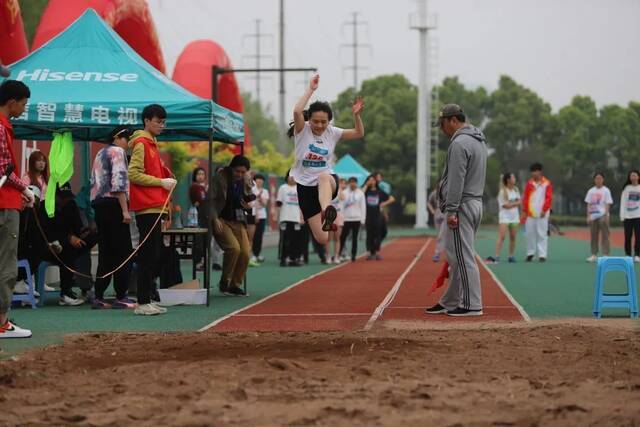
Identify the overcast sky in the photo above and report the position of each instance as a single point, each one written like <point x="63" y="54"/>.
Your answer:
<point x="558" y="48"/>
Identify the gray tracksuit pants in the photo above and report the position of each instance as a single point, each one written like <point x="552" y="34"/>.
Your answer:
<point x="464" y="278"/>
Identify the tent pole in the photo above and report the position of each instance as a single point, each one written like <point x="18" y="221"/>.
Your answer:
<point x="207" y="245"/>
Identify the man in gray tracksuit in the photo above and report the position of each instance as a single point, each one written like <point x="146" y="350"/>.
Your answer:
<point x="460" y="192"/>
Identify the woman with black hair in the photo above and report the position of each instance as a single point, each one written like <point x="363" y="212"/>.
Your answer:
<point x="315" y="142"/>
<point x="376" y="199"/>
<point x="509" y="202"/>
<point x="198" y="198"/>
<point x="110" y="200"/>
<point x="630" y="214"/>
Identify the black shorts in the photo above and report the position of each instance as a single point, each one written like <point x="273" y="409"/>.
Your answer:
<point x="308" y="199"/>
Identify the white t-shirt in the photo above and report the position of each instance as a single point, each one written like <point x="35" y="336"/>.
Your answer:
<point x="630" y="202"/>
<point x="260" y="209"/>
<point x="508" y="215"/>
<point x="355" y="207"/>
<point x="596" y="200"/>
<point x="313" y="154"/>
<point x="290" y="210"/>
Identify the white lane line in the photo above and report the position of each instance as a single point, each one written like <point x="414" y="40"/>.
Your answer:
<point x="510" y="297"/>
<point x="394" y="290"/>
<point x="313" y="276"/>
<point x="302" y="314"/>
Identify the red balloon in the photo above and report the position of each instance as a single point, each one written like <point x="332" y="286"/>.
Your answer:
<point x="13" y="42"/>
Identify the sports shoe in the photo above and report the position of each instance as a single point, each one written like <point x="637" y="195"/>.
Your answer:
<point x="592" y="258"/>
<point x="329" y="260"/>
<point x="100" y="304"/>
<point x="542" y="259"/>
<point x="161" y="309"/>
<point x="147" y="310"/>
<point x="254" y="263"/>
<point x="328" y="217"/>
<point x="261" y="259"/>
<point x="636" y="259"/>
<point x="21" y="288"/>
<point x="337" y="260"/>
<point x="11" y="330"/>
<point x="512" y="259"/>
<point x="216" y="267"/>
<point x="463" y="312"/>
<point x="48" y="288"/>
<point x="378" y="257"/>
<point x="296" y="263"/>
<point x="124" y="303"/>
<point x="353" y="259"/>
<point x="492" y="260"/>
<point x="436" y="258"/>
<point x="436" y="309"/>
<point x="284" y="263"/>
<point x="234" y="290"/>
<point x="222" y="287"/>
<point x="70" y="299"/>
<point x="529" y="258"/>
<point x="370" y="257"/>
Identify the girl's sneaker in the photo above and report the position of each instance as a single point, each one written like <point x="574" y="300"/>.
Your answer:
<point x="124" y="303"/>
<point x="592" y="258"/>
<point x="636" y="259"/>
<point x="512" y="259"/>
<point x="492" y="260"/>
<point x="336" y="260"/>
<point x="436" y="258"/>
<point x="100" y="304"/>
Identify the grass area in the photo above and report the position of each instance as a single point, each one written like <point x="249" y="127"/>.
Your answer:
<point x="51" y="322"/>
<point x="561" y="287"/>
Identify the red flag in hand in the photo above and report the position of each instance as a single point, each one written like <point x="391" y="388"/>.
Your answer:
<point x="441" y="279"/>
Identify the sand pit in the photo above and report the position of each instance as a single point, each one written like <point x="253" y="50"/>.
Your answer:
<point x="539" y="374"/>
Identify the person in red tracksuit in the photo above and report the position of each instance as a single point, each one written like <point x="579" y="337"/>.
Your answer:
<point x="536" y="207"/>
<point x="13" y="99"/>
<point x="150" y="183"/>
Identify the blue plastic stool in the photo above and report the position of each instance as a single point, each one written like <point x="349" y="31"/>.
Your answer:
<point x="29" y="296"/>
<point x="42" y="269"/>
<point x="627" y="300"/>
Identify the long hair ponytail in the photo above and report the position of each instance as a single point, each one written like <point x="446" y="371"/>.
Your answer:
<point x="292" y="124"/>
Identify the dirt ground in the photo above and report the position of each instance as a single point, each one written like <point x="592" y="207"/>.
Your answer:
<point x="540" y="374"/>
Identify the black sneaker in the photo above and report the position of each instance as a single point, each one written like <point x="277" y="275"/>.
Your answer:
<point x="216" y="267"/>
<point x="463" y="312"/>
<point x="529" y="258"/>
<point x="235" y="291"/>
<point x="284" y="263"/>
<point x="222" y="287"/>
<point x="542" y="260"/>
<point x="436" y="309"/>
<point x="328" y="217"/>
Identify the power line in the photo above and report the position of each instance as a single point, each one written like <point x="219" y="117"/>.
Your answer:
<point x="257" y="57"/>
<point x="354" y="23"/>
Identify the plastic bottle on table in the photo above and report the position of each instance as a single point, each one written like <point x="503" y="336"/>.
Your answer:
<point x="192" y="217"/>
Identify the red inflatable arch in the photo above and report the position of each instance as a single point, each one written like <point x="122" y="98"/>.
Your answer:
<point x="193" y="72"/>
<point x="13" y="42"/>
<point x="131" y="19"/>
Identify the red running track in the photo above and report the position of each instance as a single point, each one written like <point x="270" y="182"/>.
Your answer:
<point x="346" y="297"/>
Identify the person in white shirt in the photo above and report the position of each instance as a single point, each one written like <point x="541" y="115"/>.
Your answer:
<point x="290" y="220"/>
<point x="509" y="202"/>
<point x="355" y="213"/>
<point x="315" y="142"/>
<point x="260" y="214"/>
<point x="334" y="236"/>
<point x="598" y="202"/>
<point x="630" y="214"/>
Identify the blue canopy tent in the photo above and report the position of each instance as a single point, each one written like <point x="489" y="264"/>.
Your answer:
<point x="348" y="167"/>
<point x="87" y="80"/>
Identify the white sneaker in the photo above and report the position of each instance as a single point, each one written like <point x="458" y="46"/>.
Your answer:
<point x="592" y="258"/>
<point x="636" y="259"/>
<point x="48" y="288"/>
<point x="160" y="308"/>
<point x="70" y="300"/>
<point x="337" y="260"/>
<point x="21" y="288"/>
<point x="329" y="260"/>
<point x="10" y="330"/>
<point x="147" y="310"/>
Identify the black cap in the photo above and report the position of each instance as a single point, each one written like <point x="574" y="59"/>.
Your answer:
<point x="448" y="110"/>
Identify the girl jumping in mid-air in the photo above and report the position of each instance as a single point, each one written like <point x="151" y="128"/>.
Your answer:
<point x="315" y="142"/>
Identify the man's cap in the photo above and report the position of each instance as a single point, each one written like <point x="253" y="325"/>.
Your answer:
<point x="448" y="110"/>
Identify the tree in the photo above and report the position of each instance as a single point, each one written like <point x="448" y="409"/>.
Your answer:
<point x="262" y="127"/>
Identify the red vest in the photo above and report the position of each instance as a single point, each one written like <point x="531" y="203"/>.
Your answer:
<point x="143" y="197"/>
<point x="10" y="197"/>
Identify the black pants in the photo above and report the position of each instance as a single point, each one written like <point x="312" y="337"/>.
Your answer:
<point x="352" y="227"/>
<point x="69" y="256"/>
<point x="256" y="246"/>
<point x="631" y="228"/>
<point x="383" y="227"/>
<point x="148" y="256"/>
<point x="291" y="240"/>
<point x="374" y="232"/>
<point x="114" y="242"/>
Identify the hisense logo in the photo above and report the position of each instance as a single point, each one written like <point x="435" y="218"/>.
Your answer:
<point x="46" y="75"/>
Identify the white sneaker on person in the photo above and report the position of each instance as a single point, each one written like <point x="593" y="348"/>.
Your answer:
<point x="147" y="310"/>
<point x="336" y="260"/>
<point x="161" y="309"/>
<point x="11" y="330"/>
<point x="70" y="300"/>
<point x="592" y="258"/>
<point x="636" y="259"/>
<point x="21" y="288"/>
<point x="48" y="288"/>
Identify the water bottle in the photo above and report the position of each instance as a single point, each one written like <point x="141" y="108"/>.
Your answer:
<point x="192" y="217"/>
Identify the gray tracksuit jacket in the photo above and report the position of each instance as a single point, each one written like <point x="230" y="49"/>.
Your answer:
<point x="465" y="169"/>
